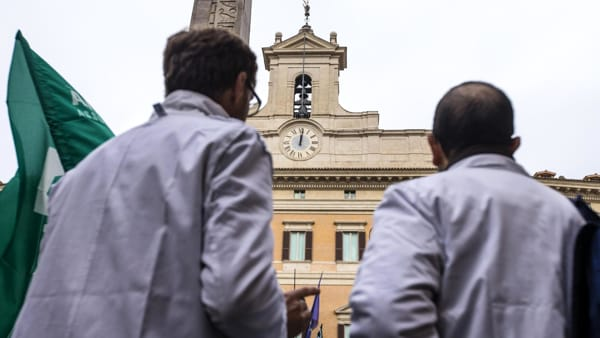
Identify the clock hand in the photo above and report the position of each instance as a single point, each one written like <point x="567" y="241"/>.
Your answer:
<point x="300" y="142"/>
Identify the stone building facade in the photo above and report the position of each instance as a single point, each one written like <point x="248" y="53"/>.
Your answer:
<point x="331" y="167"/>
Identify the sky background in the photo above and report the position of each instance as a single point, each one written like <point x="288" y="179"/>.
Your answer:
<point x="402" y="57"/>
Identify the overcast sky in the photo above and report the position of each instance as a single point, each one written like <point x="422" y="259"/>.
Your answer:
<point x="402" y="57"/>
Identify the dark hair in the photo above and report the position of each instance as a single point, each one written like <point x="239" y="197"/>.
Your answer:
<point x="206" y="61"/>
<point x="473" y="114"/>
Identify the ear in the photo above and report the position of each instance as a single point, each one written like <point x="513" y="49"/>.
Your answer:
<point x="515" y="143"/>
<point x="439" y="157"/>
<point x="240" y="89"/>
<point x="235" y="98"/>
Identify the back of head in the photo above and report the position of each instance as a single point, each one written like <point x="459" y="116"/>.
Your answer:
<point x="473" y="114"/>
<point x="206" y="61"/>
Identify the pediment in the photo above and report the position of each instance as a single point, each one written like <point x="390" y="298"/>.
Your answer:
<point x="544" y="174"/>
<point x="343" y="310"/>
<point x="298" y="41"/>
<point x="310" y="44"/>
<point x="306" y="42"/>
<point x="343" y="314"/>
<point x="593" y="177"/>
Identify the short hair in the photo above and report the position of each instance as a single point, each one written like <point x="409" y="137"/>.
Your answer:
<point x="473" y="113"/>
<point x="206" y="61"/>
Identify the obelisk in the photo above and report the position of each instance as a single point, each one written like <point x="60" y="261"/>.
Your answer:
<point x="233" y="15"/>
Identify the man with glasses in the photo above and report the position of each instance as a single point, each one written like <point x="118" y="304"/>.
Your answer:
<point x="164" y="231"/>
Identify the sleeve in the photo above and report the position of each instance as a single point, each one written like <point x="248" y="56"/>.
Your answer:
<point x="239" y="287"/>
<point x="398" y="279"/>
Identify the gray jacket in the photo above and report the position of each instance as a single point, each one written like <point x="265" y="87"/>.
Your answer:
<point x="480" y="250"/>
<point x="164" y="231"/>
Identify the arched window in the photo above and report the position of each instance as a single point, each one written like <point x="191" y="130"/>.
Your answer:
<point x="302" y="97"/>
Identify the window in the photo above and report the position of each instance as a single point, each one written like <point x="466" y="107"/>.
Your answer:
<point x="349" y="194"/>
<point x="302" y="97"/>
<point x="349" y="246"/>
<point x="343" y="314"/>
<point x="299" y="194"/>
<point x="350" y="240"/>
<point x="297" y="246"/>
<point x="344" y="330"/>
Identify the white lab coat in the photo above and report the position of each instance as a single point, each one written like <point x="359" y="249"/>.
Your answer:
<point x="164" y="231"/>
<point x="480" y="250"/>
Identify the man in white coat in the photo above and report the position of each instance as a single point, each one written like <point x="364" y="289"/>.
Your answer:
<point x="478" y="250"/>
<point x="164" y="231"/>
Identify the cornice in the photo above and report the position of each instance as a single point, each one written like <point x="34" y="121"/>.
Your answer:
<point x="318" y="171"/>
<point x="381" y="178"/>
<point x="325" y="206"/>
<point x="589" y="190"/>
<point x="353" y="132"/>
<point x="312" y="278"/>
<point x="344" y="178"/>
<point x="569" y="182"/>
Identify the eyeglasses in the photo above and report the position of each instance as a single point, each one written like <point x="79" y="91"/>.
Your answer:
<point x="254" y="106"/>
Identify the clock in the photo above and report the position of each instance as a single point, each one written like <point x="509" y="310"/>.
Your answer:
<point x="300" y="142"/>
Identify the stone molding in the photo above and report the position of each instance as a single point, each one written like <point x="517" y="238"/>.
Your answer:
<point x="350" y="225"/>
<point x="589" y="190"/>
<point x="334" y="178"/>
<point x="325" y="206"/>
<point x="343" y="314"/>
<point x="381" y="178"/>
<point x="312" y="278"/>
<point x="298" y="225"/>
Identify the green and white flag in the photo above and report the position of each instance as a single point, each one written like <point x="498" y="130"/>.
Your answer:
<point x="53" y="129"/>
<point x="320" y="333"/>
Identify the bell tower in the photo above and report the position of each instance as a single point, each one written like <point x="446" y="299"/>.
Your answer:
<point x="304" y="75"/>
<point x="305" y="126"/>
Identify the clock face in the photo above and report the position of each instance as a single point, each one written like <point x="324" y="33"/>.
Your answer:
<point x="300" y="143"/>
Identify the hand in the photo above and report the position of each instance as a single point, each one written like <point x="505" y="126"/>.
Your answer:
<point x="298" y="314"/>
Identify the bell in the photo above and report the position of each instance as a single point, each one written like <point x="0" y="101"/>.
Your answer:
<point x="303" y="111"/>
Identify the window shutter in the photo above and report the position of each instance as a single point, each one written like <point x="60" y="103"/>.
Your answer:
<point x="308" y="246"/>
<point x="361" y="244"/>
<point x="285" y="255"/>
<point x="340" y="329"/>
<point x="339" y="253"/>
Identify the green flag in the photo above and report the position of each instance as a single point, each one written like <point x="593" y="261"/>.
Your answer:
<point x="53" y="129"/>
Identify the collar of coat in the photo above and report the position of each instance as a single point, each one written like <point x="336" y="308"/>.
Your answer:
<point x="489" y="160"/>
<point x="189" y="102"/>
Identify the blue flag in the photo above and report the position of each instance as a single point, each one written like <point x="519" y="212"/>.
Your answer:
<point x="314" y="317"/>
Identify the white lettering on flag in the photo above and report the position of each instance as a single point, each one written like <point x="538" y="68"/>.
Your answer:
<point x="77" y="99"/>
<point x="52" y="168"/>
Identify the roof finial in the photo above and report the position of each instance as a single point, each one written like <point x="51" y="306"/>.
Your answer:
<point x="306" y="12"/>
